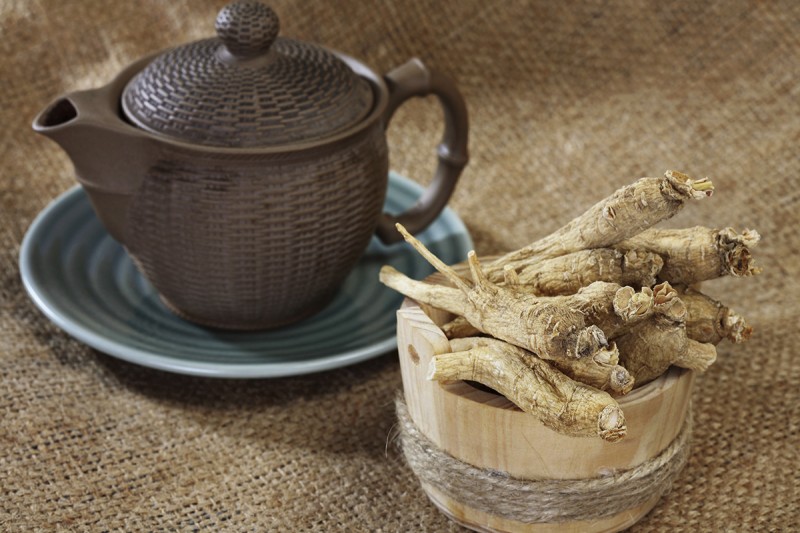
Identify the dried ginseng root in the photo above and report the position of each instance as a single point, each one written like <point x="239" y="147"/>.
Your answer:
<point x="458" y="328"/>
<point x="698" y="356"/>
<point x="607" y="305"/>
<point x="626" y="213"/>
<point x="601" y="371"/>
<point x="568" y="273"/>
<point x="564" y="405"/>
<point x="553" y="331"/>
<point x="612" y="308"/>
<point x="710" y="321"/>
<point x="651" y="347"/>
<point x="692" y="255"/>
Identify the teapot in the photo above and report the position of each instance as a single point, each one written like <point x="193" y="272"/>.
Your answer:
<point x="245" y="174"/>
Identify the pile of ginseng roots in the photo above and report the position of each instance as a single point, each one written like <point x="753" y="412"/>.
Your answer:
<point x="606" y="303"/>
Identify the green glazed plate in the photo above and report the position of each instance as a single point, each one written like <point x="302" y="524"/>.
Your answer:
<point x="84" y="282"/>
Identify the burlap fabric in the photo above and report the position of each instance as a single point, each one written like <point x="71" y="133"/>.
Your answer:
<point x="568" y="102"/>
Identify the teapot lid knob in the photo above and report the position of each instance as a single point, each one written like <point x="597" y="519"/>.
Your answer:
<point x="247" y="28"/>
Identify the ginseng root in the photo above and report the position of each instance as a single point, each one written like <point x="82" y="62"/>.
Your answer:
<point x="568" y="273"/>
<point x="692" y="255"/>
<point x="550" y="330"/>
<point x="649" y="348"/>
<point x="564" y="405"/>
<point x="601" y="371"/>
<point x="612" y="308"/>
<point x="711" y="321"/>
<point x="458" y="328"/>
<point x="698" y="356"/>
<point x="625" y="213"/>
<point x="607" y="305"/>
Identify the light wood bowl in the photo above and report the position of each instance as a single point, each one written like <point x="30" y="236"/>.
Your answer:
<point x="485" y="430"/>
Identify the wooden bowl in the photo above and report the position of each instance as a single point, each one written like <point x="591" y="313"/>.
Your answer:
<point x="485" y="430"/>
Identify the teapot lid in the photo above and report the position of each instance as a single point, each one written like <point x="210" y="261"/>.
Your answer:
<point x="247" y="87"/>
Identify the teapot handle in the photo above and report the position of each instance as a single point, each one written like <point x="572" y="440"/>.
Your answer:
<point x="415" y="79"/>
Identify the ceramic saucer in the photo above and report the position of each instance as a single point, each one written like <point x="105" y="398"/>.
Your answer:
<point x="86" y="284"/>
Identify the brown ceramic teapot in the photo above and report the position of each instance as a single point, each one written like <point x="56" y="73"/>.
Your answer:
<point x="246" y="173"/>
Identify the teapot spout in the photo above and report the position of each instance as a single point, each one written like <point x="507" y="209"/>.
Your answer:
<point x="60" y="113"/>
<point x="110" y="156"/>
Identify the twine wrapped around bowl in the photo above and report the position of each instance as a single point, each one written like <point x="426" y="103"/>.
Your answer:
<point x="491" y="467"/>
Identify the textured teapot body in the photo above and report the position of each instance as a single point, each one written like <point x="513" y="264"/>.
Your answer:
<point x="256" y="241"/>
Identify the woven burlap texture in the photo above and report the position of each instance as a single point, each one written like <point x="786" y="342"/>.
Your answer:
<point x="568" y="102"/>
